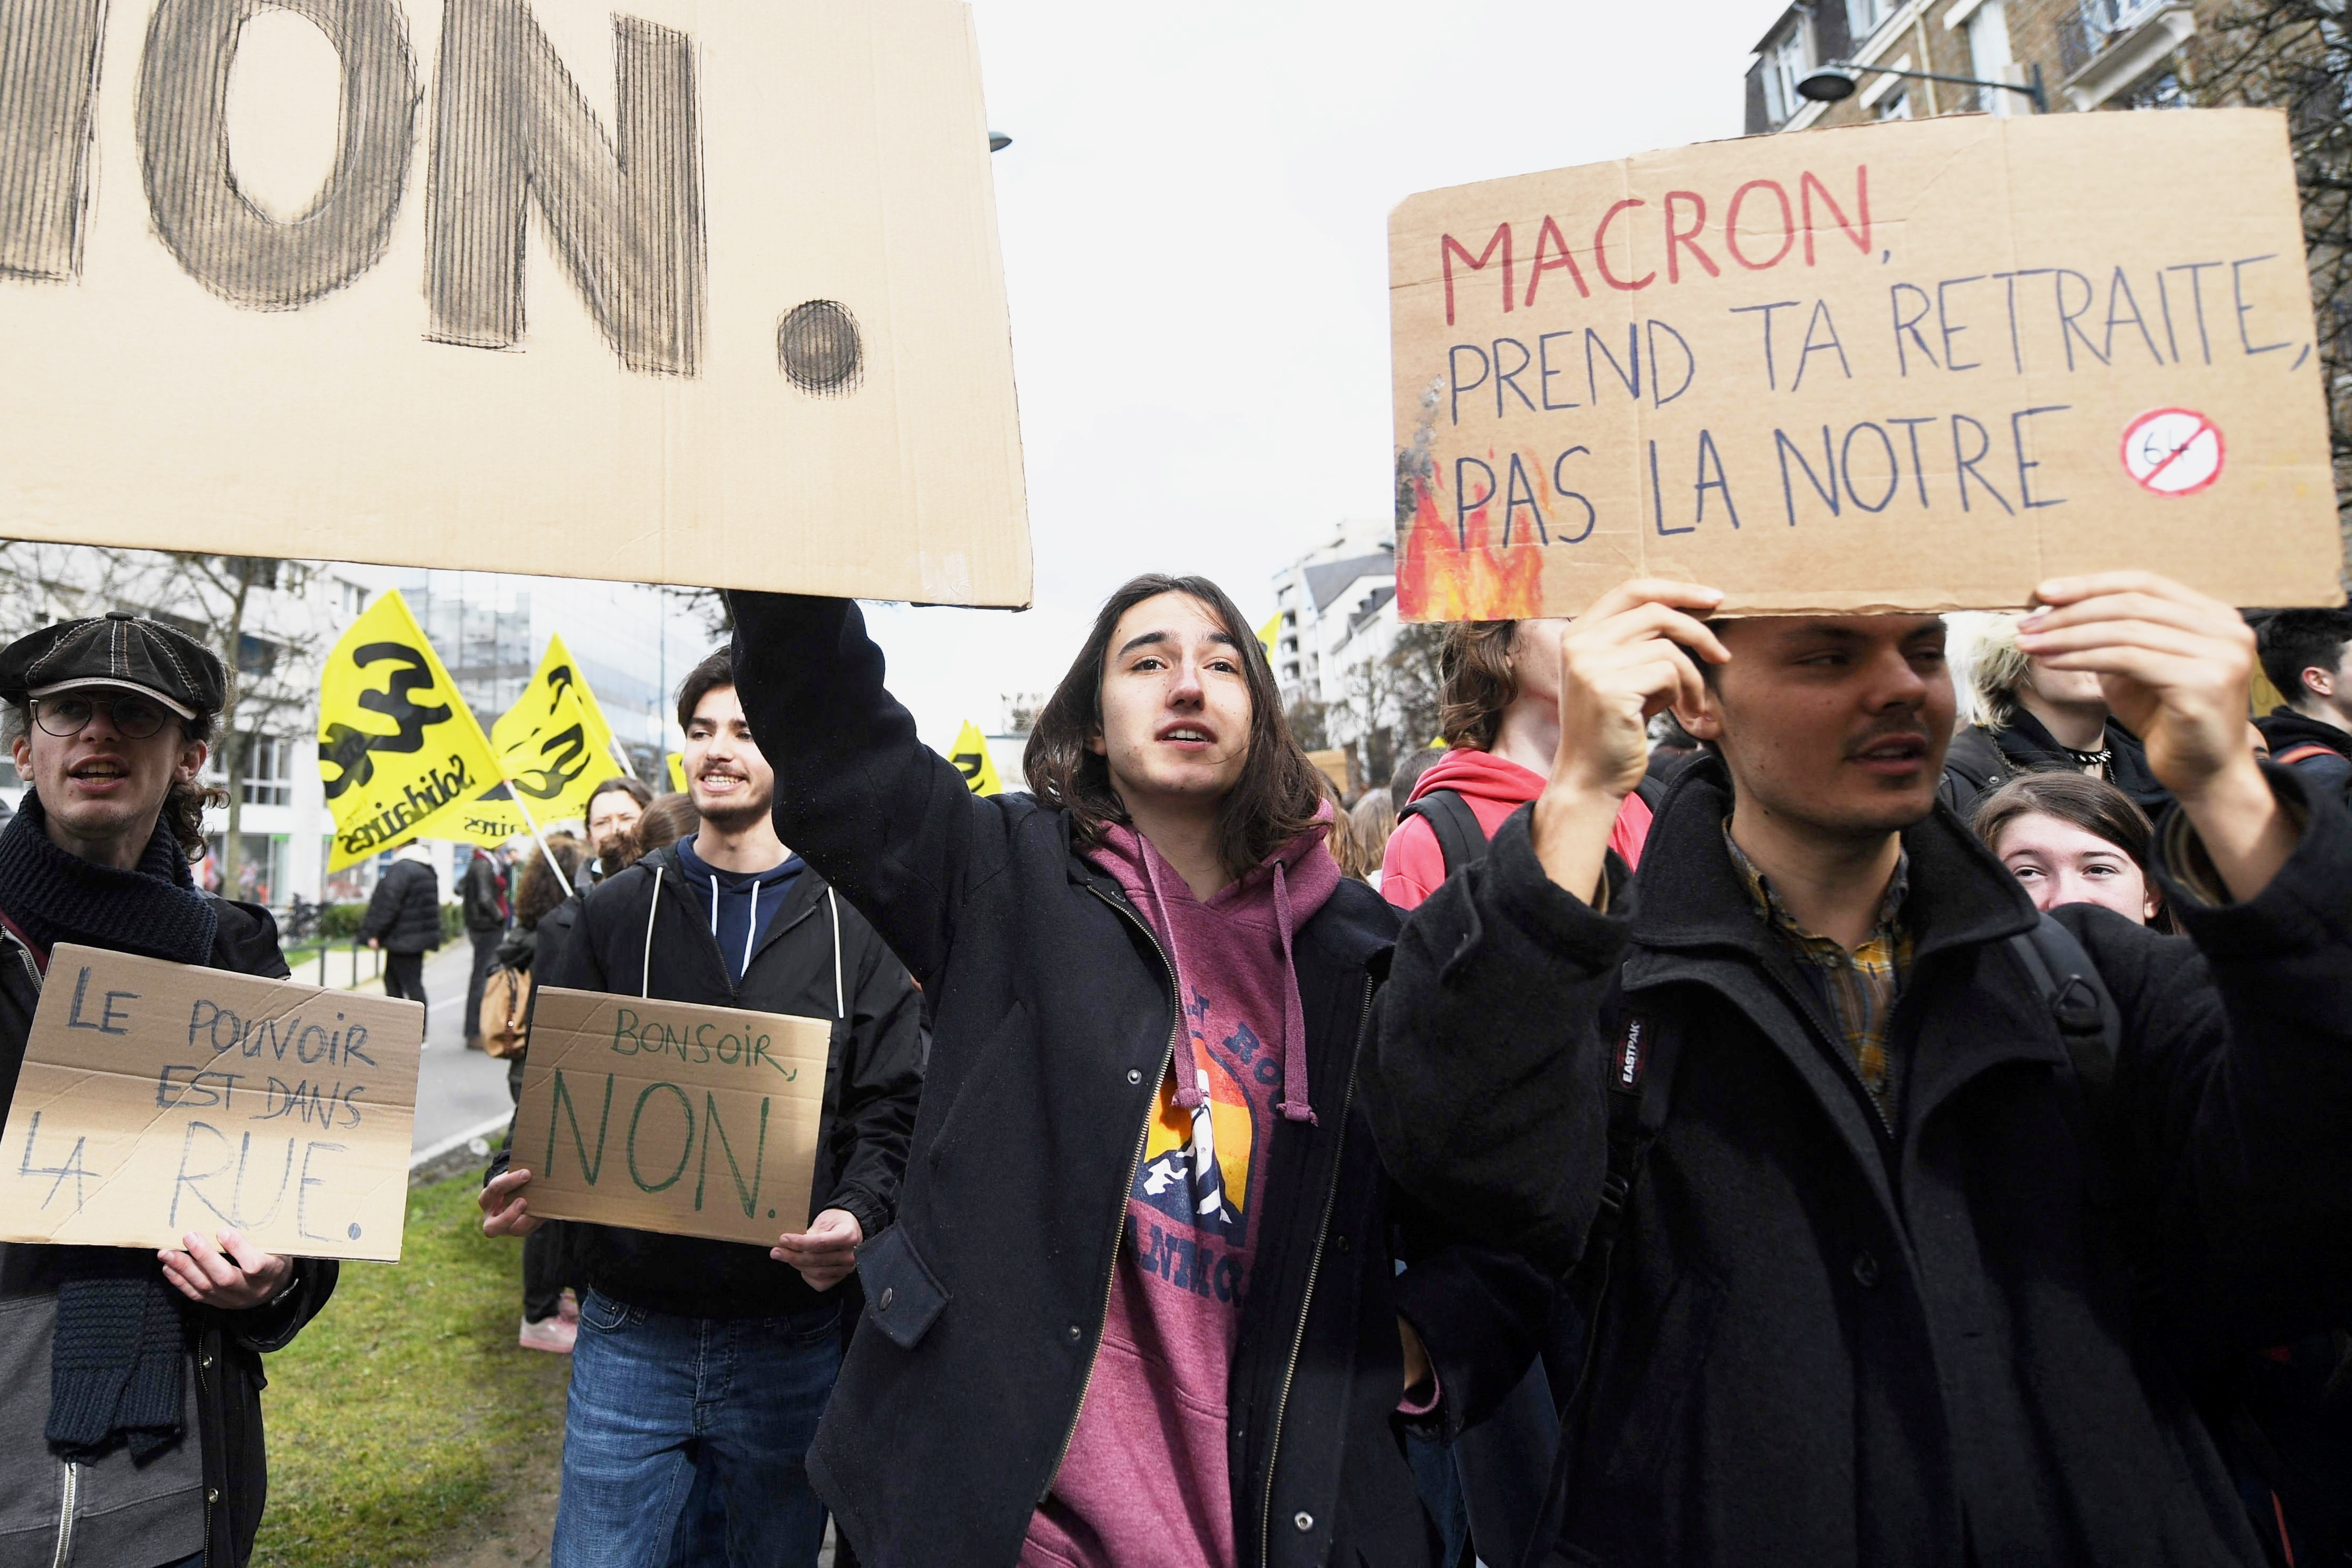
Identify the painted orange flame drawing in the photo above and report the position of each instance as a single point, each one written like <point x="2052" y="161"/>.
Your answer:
<point x="1465" y="573"/>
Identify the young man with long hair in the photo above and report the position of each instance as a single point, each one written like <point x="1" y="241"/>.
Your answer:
<point x="1909" y="1216"/>
<point x="1141" y="1304"/>
<point x="130" y="1381"/>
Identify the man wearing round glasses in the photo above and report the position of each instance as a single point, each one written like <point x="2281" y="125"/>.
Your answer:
<point x="130" y="1381"/>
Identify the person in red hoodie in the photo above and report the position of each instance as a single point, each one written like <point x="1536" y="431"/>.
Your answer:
<point x="1499" y="714"/>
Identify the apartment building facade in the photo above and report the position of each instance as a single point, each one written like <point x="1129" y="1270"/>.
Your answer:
<point x="2081" y="55"/>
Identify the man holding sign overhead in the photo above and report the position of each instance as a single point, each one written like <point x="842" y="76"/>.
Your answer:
<point x="727" y="918"/>
<point x="129" y="1384"/>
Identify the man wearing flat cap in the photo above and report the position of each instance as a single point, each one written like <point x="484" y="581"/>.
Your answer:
<point x="130" y="1381"/>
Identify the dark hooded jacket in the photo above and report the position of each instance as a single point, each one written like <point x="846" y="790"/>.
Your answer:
<point x="817" y="958"/>
<point x="1825" y="1342"/>
<point x="2287" y="731"/>
<point x="404" y="913"/>
<point x="1981" y="758"/>
<point x="228" y="1345"/>
<point x="1054" y="1021"/>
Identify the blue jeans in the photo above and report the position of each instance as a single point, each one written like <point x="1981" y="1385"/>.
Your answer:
<point x="652" y="1394"/>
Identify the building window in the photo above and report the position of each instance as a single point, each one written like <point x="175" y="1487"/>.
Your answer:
<point x="1862" y="18"/>
<point x="268" y="771"/>
<point x="1895" y="105"/>
<point x="1988" y="58"/>
<point x="1784" y="67"/>
<point x="2160" y="89"/>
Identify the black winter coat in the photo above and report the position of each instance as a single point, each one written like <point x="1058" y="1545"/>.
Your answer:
<point x="818" y="959"/>
<point x="229" y="1345"/>
<point x="481" y="892"/>
<point x="1824" y="1343"/>
<point x="1053" y="1021"/>
<point x="405" y="911"/>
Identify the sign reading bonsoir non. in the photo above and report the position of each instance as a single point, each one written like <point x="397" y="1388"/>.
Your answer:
<point x="668" y="1116"/>
<point x="1917" y="366"/>
<point x="159" y="1099"/>
<point x="671" y="291"/>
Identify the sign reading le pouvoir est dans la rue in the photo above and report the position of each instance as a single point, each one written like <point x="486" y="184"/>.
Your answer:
<point x="667" y="1116"/>
<point x="667" y="292"/>
<point x="159" y="1099"/>
<point x="1911" y="366"/>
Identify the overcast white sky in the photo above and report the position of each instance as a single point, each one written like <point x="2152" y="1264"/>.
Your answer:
<point x="1194" y="216"/>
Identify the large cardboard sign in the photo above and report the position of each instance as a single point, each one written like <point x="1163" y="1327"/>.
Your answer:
<point x="684" y="292"/>
<point x="664" y="1116"/>
<point x="159" y="1099"/>
<point x="1909" y="366"/>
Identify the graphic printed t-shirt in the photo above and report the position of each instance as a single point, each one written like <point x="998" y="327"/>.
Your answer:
<point x="1146" y="1479"/>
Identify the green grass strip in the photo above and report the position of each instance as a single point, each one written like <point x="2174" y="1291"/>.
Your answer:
<point x="399" y="1416"/>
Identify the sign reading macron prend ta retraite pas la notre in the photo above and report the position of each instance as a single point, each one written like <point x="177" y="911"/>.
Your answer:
<point x="1907" y="366"/>
<point x="159" y="1099"/>
<point x="671" y="291"/>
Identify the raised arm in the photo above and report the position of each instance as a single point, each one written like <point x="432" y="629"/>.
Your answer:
<point x="885" y="818"/>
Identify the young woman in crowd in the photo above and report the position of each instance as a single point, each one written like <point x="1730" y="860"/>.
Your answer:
<point x="2072" y="839"/>
<point x="1139" y="1306"/>
<point x="1499" y="715"/>
<point x="2030" y="715"/>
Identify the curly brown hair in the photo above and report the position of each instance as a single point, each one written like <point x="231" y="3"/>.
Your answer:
<point x="1279" y="792"/>
<point x="1475" y="682"/>
<point x="536" y="893"/>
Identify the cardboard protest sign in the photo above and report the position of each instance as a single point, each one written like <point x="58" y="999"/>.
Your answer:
<point x="160" y="1098"/>
<point x="1907" y="366"/>
<point x="692" y="293"/>
<point x="400" y="754"/>
<point x="664" y="1116"/>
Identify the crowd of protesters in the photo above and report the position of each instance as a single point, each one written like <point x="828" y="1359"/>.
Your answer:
<point x="1778" y="1089"/>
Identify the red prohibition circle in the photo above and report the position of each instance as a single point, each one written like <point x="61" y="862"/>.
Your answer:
<point x="2205" y="427"/>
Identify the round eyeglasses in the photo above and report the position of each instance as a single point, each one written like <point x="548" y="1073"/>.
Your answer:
<point x="133" y="718"/>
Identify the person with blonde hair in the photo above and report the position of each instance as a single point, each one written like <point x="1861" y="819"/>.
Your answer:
<point x="2028" y="717"/>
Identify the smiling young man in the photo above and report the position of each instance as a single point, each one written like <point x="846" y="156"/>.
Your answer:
<point x="717" y="1356"/>
<point x="1900" y="1278"/>
<point x="130" y="1381"/>
<point x="1140" y="1305"/>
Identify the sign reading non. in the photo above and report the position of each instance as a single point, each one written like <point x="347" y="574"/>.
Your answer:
<point x="159" y="1099"/>
<point x="664" y="1117"/>
<point x="691" y="293"/>
<point x="1907" y="366"/>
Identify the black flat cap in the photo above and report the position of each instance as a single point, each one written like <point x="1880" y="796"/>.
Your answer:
<point x="121" y="650"/>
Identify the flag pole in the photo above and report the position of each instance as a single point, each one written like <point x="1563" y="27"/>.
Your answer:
<point x="540" y="833"/>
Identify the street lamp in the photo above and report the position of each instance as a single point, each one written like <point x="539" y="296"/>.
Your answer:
<point x="1836" y="79"/>
<point x="998" y="142"/>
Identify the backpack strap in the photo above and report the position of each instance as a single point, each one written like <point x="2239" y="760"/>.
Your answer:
<point x="2079" y="1001"/>
<point x="1460" y="838"/>
<point x="2304" y="753"/>
<point x="1641" y="1092"/>
<point x="1653" y="792"/>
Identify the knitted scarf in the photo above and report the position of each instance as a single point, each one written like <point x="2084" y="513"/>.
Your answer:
<point x="54" y="895"/>
<point x="120" y="1355"/>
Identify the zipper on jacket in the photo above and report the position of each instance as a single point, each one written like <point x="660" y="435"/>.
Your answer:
<point x="66" y="1516"/>
<point x="1142" y="1136"/>
<point x="1314" y="1267"/>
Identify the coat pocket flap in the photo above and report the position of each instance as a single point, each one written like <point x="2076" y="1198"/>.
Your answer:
<point x="902" y="1299"/>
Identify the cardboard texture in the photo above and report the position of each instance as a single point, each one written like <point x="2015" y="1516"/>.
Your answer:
<point x="662" y="1116"/>
<point x="369" y="283"/>
<point x="160" y="1098"/>
<point x="1910" y="366"/>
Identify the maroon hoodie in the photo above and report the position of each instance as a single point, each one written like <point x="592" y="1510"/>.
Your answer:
<point x="1145" y="1480"/>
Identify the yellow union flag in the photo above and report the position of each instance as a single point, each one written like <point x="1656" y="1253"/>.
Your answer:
<point x="399" y="751"/>
<point x="553" y="747"/>
<point x="972" y="759"/>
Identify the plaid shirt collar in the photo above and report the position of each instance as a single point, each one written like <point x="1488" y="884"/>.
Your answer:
<point x="1863" y="984"/>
